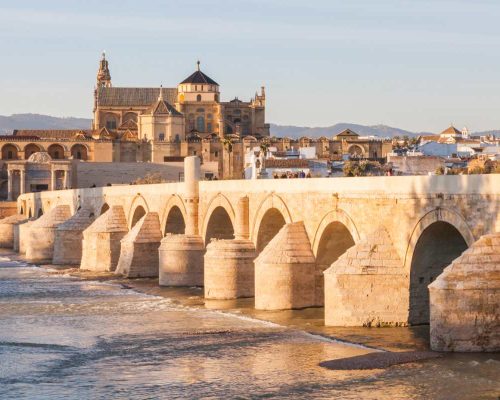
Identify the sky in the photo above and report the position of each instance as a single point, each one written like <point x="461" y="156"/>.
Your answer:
<point x="418" y="65"/>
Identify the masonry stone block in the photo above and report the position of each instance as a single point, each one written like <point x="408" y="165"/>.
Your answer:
<point x="17" y="233"/>
<point x="7" y="229"/>
<point x="24" y="230"/>
<point x="229" y="269"/>
<point x="69" y="237"/>
<point x="465" y="300"/>
<point x="41" y="234"/>
<point x="367" y="285"/>
<point x="181" y="260"/>
<point x="285" y="271"/>
<point x="139" y="249"/>
<point x="101" y="240"/>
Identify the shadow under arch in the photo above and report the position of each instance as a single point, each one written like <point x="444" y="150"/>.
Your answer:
<point x="171" y="216"/>
<point x="439" y="237"/>
<point x="40" y="213"/>
<point x="335" y="234"/>
<point x="175" y="222"/>
<point x="104" y="208"/>
<point x="334" y="216"/>
<point x="438" y="214"/>
<point x="271" y="202"/>
<point x="137" y="210"/>
<point x="271" y="223"/>
<point x="219" y="225"/>
<point x="227" y="218"/>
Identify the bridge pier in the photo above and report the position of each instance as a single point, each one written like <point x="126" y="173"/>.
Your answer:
<point x="181" y="260"/>
<point x="17" y="233"/>
<point x="69" y="237"/>
<point x="181" y="256"/>
<point x="229" y="269"/>
<point x="41" y="236"/>
<point x="465" y="300"/>
<point x="285" y="271"/>
<point x="367" y="285"/>
<point x="7" y="229"/>
<point x="24" y="232"/>
<point x="101" y="240"/>
<point x="229" y="264"/>
<point x="139" y="249"/>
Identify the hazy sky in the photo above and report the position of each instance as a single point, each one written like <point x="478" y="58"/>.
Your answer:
<point x="417" y="65"/>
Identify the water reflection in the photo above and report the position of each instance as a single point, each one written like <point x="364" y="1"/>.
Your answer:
<point x="61" y="338"/>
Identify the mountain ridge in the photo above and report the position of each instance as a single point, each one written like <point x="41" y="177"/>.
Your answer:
<point x="41" y="121"/>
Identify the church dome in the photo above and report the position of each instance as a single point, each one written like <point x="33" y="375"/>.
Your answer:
<point x="40" y="157"/>
<point x="199" y="77"/>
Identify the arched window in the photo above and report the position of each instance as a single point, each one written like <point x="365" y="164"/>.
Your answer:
<point x="198" y="98"/>
<point x="200" y="124"/>
<point x="111" y="121"/>
<point x="9" y="152"/>
<point x="209" y="127"/>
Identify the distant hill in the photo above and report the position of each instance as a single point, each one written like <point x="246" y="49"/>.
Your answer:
<point x="329" y="131"/>
<point x="38" y="121"/>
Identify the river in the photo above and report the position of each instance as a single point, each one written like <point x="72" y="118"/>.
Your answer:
<point x="62" y="337"/>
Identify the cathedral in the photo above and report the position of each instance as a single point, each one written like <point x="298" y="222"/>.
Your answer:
<point x="165" y="120"/>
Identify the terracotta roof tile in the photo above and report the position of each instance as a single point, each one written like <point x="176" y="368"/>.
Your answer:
<point x="128" y="97"/>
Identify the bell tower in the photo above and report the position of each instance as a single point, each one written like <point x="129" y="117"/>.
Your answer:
<point x="103" y="75"/>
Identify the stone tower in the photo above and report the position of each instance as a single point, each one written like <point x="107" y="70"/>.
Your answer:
<point x="103" y="75"/>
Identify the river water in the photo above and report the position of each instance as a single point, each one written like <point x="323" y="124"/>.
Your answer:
<point x="66" y="338"/>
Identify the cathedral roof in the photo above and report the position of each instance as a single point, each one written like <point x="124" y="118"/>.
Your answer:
<point x="130" y="97"/>
<point x="451" y="131"/>
<point x="163" y="107"/>
<point x="199" y="77"/>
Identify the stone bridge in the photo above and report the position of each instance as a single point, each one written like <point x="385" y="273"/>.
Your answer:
<point x="365" y="248"/>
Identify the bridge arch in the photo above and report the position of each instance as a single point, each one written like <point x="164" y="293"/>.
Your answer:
<point x="335" y="234"/>
<point x="219" y="218"/>
<point x="439" y="237"/>
<point x="138" y="209"/>
<point x="174" y="216"/>
<point x="335" y="216"/>
<point x="272" y="213"/>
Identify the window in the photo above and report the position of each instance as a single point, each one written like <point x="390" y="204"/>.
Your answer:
<point x="195" y="88"/>
<point x="200" y="124"/>
<point x="177" y="139"/>
<point x="216" y="154"/>
<point x="209" y="116"/>
<point x="200" y="110"/>
<point x="202" y="88"/>
<point x="194" y="152"/>
<point x="161" y="137"/>
<point x="111" y="124"/>
<point x="56" y="155"/>
<point x="209" y="127"/>
<point x="10" y="155"/>
<point x="216" y="97"/>
<point x="78" y="155"/>
<point x="198" y="98"/>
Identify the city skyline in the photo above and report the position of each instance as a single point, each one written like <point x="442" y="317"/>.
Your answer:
<point x="413" y="66"/>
